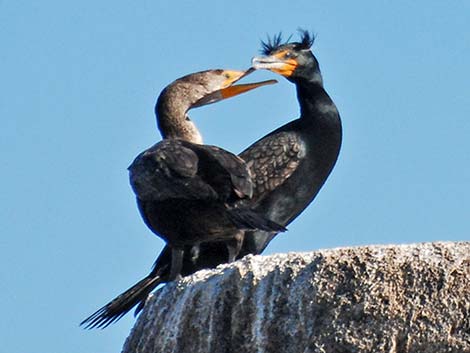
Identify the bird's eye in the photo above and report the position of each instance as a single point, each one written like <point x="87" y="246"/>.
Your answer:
<point x="288" y="55"/>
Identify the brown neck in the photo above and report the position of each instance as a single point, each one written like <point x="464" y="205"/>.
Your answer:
<point x="171" y="111"/>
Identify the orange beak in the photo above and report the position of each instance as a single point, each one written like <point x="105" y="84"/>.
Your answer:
<point x="276" y="63"/>
<point x="235" y="90"/>
<point x="230" y="90"/>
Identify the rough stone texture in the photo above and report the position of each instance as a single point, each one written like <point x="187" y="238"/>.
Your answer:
<point x="394" y="299"/>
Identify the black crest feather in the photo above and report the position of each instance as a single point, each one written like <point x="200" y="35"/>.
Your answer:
<point x="306" y="39"/>
<point x="271" y="44"/>
<point x="274" y="42"/>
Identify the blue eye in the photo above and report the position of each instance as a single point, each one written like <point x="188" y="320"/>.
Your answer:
<point x="288" y="55"/>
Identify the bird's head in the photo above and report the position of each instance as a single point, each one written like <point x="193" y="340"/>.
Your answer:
<point x="216" y="85"/>
<point x="195" y="90"/>
<point x="210" y="86"/>
<point x="293" y="60"/>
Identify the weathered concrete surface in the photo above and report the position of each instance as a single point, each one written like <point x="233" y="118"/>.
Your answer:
<point x="394" y="299"/>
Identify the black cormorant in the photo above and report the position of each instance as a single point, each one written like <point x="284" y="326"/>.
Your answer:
<point x="308" y="146"/>
<point x="289" y="166"/>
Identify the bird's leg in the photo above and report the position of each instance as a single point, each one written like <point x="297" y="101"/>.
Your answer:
<point x="195" y="250"/>
<point x="234" y="245"/>
<point x="176" y="263"/>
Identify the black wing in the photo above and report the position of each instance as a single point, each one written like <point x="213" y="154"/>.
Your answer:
<point x="221" y="162"/>
<point x="168" y="170"/>
<point x="183" y="170"/>
<point x="272" y="160"/>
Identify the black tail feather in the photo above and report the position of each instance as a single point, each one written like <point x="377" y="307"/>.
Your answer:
<point x="123" y="303"/>
<point x="139" y="292"/>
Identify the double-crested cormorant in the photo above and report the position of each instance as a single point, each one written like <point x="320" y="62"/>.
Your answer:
<point x="187" y="192"/>
<point x="310" y="145"/>
<point x="289" y="166"/>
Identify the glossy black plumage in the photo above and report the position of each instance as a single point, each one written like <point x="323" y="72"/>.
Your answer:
<point x="289" y="165"/>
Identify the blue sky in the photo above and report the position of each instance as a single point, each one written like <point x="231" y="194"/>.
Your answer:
<point x="78" y="85"/>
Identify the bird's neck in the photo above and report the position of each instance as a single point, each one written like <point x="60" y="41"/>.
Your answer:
<point x="173" y="120"/>
<point x="315" y="103"/>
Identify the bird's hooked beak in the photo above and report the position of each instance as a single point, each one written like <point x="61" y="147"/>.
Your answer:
<point x="229" y="89"/>
<point x="279" y="63"/>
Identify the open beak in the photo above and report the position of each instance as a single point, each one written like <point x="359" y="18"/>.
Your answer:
<point x="275" y="63"/>
<point x="232" y="90"/>
<point x="235" y="90"/>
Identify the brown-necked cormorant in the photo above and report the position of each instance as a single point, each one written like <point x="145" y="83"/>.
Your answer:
<point x="289" y="167"/>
